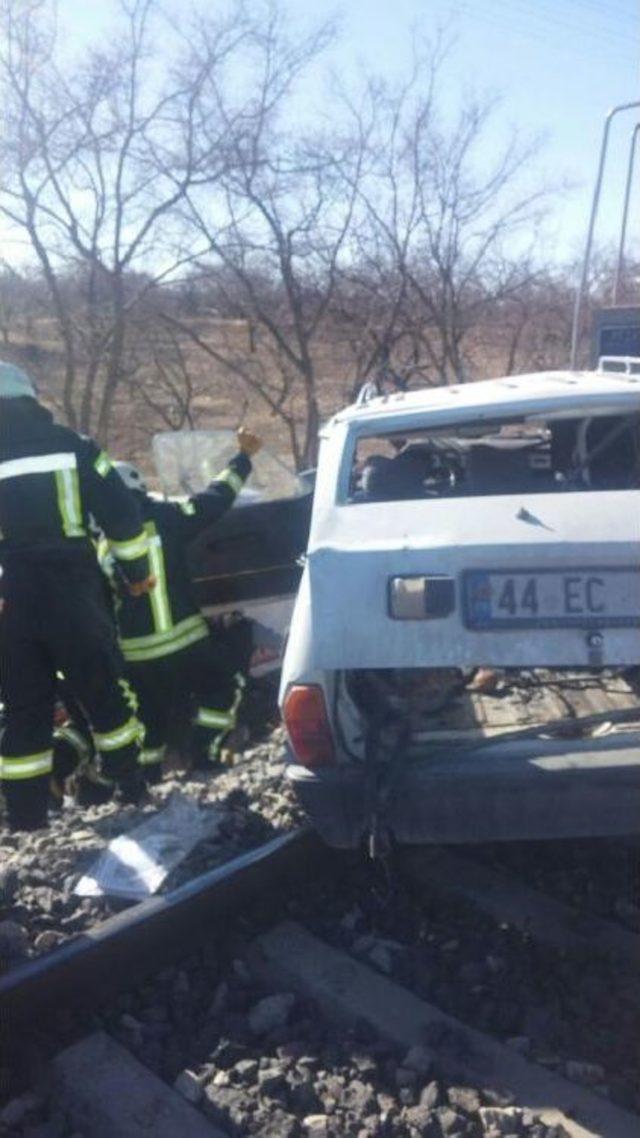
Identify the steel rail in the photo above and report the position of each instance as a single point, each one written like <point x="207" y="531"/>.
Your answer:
<point x="82" y="974"/>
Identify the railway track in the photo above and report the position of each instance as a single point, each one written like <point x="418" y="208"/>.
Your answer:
<point x="125" y="948"/>
<point x="179" y="978"/>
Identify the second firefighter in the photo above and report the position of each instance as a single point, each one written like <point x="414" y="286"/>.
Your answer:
<point x="166" y="641"/>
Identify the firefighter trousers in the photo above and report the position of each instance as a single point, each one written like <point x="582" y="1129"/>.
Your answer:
<point x="54" y="619"/>
<point x="196" y="684"/>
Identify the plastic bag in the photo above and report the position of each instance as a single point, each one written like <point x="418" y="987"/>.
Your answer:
<point x="135" y="864"/>
<point x="187" y="461"/>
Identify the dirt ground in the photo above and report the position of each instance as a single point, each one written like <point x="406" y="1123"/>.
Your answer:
<point x="221" y="398"/>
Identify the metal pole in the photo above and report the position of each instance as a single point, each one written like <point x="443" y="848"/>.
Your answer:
<point x="625" y="214"/>
<point x="592" y="221"/>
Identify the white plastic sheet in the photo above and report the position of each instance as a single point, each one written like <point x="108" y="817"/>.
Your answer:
<point x="187" y="461"/>
<point x="135" y="864"/>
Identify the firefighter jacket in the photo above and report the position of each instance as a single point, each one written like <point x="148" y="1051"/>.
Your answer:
<point x="51" y="480"/>
<point x="168" y="619"/>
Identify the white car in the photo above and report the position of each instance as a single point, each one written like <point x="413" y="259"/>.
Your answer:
<point x="462" y="663"/>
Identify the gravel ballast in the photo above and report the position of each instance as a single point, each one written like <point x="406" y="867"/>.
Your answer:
<point x="570" y="1011"/>
<point x="38" y="906"/>
<point x="265" y="1062"/>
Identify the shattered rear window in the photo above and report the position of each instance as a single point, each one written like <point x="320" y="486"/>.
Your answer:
<point x="599" y="452"/>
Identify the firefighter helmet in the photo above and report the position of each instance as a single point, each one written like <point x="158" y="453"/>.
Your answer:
<point x="131" y="477"/>
<point x="14" y="382"/>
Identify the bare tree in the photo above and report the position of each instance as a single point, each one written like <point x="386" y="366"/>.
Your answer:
<point x="446" y="222"/>
<point x="289" y="207"/>
<point x="530" y="329"/>
<point x="97" y="157"/>
<point x="162" y="377"/>
<point x="23" y="299"/>
<point x="372" y="302"/>
<point x="161" y="157"/>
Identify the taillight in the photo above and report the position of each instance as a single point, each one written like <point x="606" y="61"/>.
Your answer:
<point x="307" y="723"/>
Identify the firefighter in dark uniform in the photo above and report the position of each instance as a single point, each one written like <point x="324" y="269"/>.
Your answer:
<point x="54" y="617"/>
<point x="166" y="641"/>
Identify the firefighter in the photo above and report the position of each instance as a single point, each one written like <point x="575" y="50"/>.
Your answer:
<point x="166" y="641"/>
<point x="54" y="618"/>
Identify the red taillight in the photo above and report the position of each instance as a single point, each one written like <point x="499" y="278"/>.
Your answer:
<point x="305" y="717"/>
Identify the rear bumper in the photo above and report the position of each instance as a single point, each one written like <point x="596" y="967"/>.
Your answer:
<point x="533" y="790"/>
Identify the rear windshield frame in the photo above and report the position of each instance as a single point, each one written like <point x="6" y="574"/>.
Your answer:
<point x="467" y="429"/>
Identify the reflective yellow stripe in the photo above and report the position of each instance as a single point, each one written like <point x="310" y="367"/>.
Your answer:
<point x="151" y="756"/>
<point x="38" y="464"/>
<point x="131" y="732"/>
<point x="164" y="647"/>
<point x="183" y="626"/>
<point x="214" y="717"/>
<point x="92" y="774"/>
<point x="216" y="744"/>
<point x="130" y="696"/>
<point x="187" y="508"/>
<point x="241" y="684"/>
<point x="102" y="464"/>
<point x="75" y="740"/>
<point x="75" y="498"/>
<point x="26" y="766"/>
<point x="130" y="550"/>
<point x="177" y="631"/>
<point x="158" y="597"/>
<point x="68" y="490"/>
<point x="234" y="480"/>
<point x="208" y="717"/>
<point x="102" y="553"/>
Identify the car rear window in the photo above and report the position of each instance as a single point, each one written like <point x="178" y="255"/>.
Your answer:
<point x="601" y="452"/>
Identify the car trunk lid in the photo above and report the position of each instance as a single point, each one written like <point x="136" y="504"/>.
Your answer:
<point x="576" y="553"/>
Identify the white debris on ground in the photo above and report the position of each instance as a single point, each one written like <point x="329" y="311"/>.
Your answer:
<point x="249" y="801"/>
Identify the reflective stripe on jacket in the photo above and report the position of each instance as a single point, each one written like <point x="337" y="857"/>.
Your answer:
<point x="168" y="619"/>
<point x="51" y="480"/>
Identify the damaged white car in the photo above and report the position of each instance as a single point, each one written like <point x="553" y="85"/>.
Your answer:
<point x="463" y="657"/>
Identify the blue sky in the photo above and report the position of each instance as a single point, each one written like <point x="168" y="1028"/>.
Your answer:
<point x="559" y="65"/>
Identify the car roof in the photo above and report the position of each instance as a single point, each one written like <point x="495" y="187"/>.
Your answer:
<point x="544" y="391"/>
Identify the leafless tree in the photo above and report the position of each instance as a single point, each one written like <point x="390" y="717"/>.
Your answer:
<point x="384" y="232"/>
<point x="162" y="377"/>
<point x="445" y="220"/>
<point x="371" y="303"/>
<point x="530" y="330"/>
<point x="23" y="297"/>
<point x="97" y="157"/>
<point x="289" y="207"/>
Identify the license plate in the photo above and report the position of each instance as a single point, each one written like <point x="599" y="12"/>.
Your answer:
<point x="546" y="598"/>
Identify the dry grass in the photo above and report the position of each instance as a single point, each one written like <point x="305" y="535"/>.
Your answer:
<point x="222" y="399"/>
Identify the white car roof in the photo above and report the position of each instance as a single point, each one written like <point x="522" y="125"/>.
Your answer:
<point x="520" y="394"/>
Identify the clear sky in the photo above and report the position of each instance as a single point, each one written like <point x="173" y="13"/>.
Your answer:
<point x="559" y="65"/>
